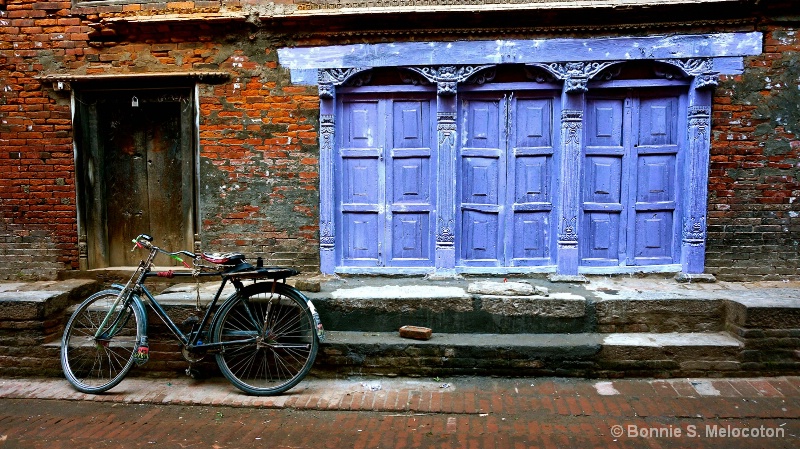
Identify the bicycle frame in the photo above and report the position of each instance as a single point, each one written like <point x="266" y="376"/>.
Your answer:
<point x="129" y="292"/>
<point x="191" y="341"/>
<point x="126" y="294"/>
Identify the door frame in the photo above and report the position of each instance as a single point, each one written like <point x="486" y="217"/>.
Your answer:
<point x="92" y="235"/>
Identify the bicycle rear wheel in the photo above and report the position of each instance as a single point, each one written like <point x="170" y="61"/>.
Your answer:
<point x="96" y="360"/>
<point x="270" y="339"/>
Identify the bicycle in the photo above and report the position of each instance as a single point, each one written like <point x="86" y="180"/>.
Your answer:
<point x="265" y="335"/>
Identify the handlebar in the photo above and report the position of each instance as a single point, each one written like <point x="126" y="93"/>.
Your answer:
<point x="146" y="241"/>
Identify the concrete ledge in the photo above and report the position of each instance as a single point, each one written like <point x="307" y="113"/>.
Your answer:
<point x="660" y="314"/>
<point x="491" y="341"/>
<point x="39" y="300"/>
<point x="559" y="305"/>
<point x="458" y="354"/>
<point x="702" y="277"/>
<point x="399" y="292"/>
<point x="583" y="354"/>
<point x="672" y="339"/>
<point x="766" y="309"/>
<point x="558" y="313"/>
<point x="577" y="279"/>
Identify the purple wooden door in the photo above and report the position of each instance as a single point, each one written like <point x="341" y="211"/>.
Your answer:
<point x="532" y="180"/>
<point x="654" y="196"/>
<point x="630" y="180"/>
<point x="385" y="182"/>
<point x="360" y="196"/>
<point x="410" y="184"/>
<point x="505" y="180"/>
<point x="602" y="182"/>
<point x="482" y="172"/>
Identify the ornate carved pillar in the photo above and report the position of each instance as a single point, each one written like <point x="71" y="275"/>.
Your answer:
<point x="327" y="234"/>
<point x="327" y="82"/>
<point x="567" y="256"/>
<point x="446" y="133"/>
<point x="693" y="245"/>
<point x="693" y="241"/>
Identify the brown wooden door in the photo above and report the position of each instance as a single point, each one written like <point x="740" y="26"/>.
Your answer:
<point x="138" y="157"/>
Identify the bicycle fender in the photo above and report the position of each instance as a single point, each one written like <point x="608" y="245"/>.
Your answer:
<point x="314" y="314"/>
<point x="317" y="321"/>
<point x="139" y="304"/>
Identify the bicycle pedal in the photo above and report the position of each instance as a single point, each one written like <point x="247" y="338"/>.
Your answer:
<point x="142" y="354"/>
<point x="193" y="373"/>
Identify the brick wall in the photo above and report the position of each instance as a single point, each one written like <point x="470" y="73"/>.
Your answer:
<point x="754" y="187"/>
<point x="258" y="164"/>
<point x="258" y="159"/>
<point x="37" y="202"/>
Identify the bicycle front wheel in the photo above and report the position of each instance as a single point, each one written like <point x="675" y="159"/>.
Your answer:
<point x="269" y="339"/>
<point x="95" y="357"/>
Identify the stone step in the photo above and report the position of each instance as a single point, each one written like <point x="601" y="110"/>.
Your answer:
<point x="469" y="306"/>
<point x="557" y="313"/>
<point x="581" y="354"/>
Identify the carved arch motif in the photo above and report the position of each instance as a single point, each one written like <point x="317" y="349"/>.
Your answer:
<point x="328" y="79"/>
<point x="448" y="77"/>
<point x="575" y="74"/>
<point x="701" y="69"/>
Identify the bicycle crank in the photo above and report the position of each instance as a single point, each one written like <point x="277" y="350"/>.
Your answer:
<point x="192" y="356"/>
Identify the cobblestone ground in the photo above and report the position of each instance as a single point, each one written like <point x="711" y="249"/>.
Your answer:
<point x="407" y="413"/>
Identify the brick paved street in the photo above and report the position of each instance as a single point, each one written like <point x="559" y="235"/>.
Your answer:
<point x="404" y="413"/>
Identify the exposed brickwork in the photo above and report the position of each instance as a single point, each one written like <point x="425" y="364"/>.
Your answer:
<point x="259" y="175"/>
<point x="38" y="234"/>
<point x="754" y="186"/>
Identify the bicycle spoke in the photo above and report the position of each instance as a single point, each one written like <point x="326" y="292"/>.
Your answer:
<point x="91" y="364"/>
<point x="286" y="344"/>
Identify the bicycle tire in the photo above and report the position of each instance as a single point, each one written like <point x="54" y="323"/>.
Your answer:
<point x="95" y="365"/>
<point x="278" y="337"/>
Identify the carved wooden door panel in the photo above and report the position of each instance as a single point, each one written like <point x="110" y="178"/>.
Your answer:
<point x="411" y="184"/>
<point x="360" y="193"/>
<point x="482" y="175"/>
<point x="138" y="160"/>
<point x="506" y="178"/>
<point x="654" y="197"/>
<point x="630" y="179"/>
<point x="604" y="177"/>
<point x="385" y="187"/>
<point x="532" y="180"/>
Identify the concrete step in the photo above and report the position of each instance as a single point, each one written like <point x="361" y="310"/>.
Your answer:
<point x="581" y="354"/>
<point x="455" y="310"/>
<point x="556" y="313"/>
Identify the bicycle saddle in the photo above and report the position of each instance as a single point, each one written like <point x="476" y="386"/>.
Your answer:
<point x="227" y="259"/>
